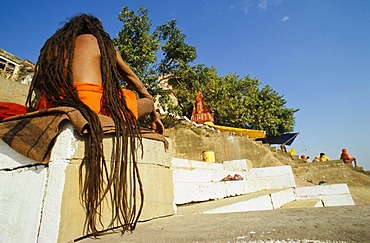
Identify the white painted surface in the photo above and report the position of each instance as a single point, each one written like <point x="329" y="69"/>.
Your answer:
<point x="331" y="195"/>
<point x="282" y="197"/>
<point x="196" y="192"/>
<point x="274" y="177"/>
<point x="30" y="197"/>
<point x="21" y="194"/>
<point x="65" y="145"/>
<point x="10" y="159"/>
<point x="254" y="204"/>
<point x="234" y="188"/>
<point x="236" y="165"/>
<point x="192" y="164"/>
<point x="50" y="221"/>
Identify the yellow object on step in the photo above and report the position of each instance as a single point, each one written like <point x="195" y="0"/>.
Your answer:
<point x="209" y="156"/>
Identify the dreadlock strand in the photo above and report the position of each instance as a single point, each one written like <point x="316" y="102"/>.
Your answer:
<point x="53" y="78"/>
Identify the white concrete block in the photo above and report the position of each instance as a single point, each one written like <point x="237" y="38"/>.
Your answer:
<point x="234" y="188"/>
<point x="255" y="204"/>
<point x="193" y="175"/>
<point x="21" y="195"/>
<point x="274" y="177"/>
<point x="282" y="197"/>
<point x="49" y="228"/>
<point x="331" y="195"/>
<point x="337" y="200"/>
<point x="65" y="145"/>
<point x="10" y="159"/>
<point x="322" y="190"/>
<point x="197" y="192"/>
<point x="179" y="163"/>
<point x="236" y="165"/>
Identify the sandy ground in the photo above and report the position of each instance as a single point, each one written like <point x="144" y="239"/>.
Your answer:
<point x="330" y="224"/>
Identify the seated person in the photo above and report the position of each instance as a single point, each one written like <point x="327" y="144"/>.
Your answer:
<point x="324" y="158"/>
<point x="346" y="158"/>
<point x="79" y="67"/>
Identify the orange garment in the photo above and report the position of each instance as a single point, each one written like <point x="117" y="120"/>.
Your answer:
<point x="91" y="95"/>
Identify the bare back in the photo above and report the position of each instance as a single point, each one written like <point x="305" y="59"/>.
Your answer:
<point x="86" y="60"/>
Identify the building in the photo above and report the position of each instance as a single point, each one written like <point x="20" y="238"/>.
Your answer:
<point x="15" y="69"/>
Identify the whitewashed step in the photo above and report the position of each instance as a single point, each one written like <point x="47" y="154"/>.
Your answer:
<point x="330" y="195"/>
<point x="262" y="200"/>
<point x="310" y="203"/>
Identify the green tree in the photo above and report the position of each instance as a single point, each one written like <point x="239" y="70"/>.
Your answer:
<point x="176" y="53"/>
<point x="267" y="111"/>
<point x="139" y="47"/>
<point x="235" y="101"/>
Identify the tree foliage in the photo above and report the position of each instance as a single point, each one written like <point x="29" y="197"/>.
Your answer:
<point x="235" y="101"/>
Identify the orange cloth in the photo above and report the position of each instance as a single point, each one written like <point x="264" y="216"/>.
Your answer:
<point x="91" y="95"/>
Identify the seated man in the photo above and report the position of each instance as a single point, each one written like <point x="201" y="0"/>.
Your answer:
<point x="324" y="158"/>
<point x="79" y="67"/>
<point x="346" y="158"/>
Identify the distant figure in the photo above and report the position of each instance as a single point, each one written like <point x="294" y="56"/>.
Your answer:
<point x="346" y="158"/>
<point x="303" y="157"/>
<point x="283" y="148"/>
<point x="308" y="159"/>
<point x="201" y="113"/>
<point x="324" y="158"/>
<point x="316" y="159"/>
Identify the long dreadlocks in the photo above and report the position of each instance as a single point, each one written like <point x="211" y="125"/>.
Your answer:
<point x="99" y="182"/>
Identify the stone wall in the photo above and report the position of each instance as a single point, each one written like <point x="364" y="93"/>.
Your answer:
<point x="187" y="144"/>
<point x="12" y="91"/>
<point x="42" y="203"/>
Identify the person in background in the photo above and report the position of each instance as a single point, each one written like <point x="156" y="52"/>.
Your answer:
<point x="316" y="159"/>
<point x="346" y="158"/>
<point x="324" y="158"/>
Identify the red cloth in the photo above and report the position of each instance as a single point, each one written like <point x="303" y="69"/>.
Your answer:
<point x="8" y="109"/>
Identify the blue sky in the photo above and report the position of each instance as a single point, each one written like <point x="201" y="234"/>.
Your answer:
<point x="314" y="52"/>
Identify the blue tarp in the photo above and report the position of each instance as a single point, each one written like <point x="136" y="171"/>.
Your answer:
<point x="286" y="139"/>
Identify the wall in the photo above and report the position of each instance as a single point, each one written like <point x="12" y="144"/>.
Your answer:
<point x="41" y="203"/>
<point x="188" y="144"/>
<point x="12" y="91"/>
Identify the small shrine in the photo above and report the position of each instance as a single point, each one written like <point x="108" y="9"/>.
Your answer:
<point x="201" y="113"/>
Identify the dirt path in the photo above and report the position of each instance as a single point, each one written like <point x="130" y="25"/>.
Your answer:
<point x="331" y="224"/>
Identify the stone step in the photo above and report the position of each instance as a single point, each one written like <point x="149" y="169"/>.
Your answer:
<point x="330" y="195"/>
<point x="310" y="203"/>
<point x="255" y="201"/>
<point x="196" y="181"/>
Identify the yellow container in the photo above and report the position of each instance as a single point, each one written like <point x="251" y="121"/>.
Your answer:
<point x="209" y="156"/>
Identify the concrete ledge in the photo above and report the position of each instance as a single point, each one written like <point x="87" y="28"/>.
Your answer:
<point x="196" y="181"/>
<point x="254" y="204"/>
<point x="315" y="203"/>
<point x="263" y="200"/>
<point x="198" y="192"/>
<point x="280" y="198"/>
<point x="21" y="203"/>
<point x="331" y="195"/>
<point x="272" y="177"/>
<point x="42" y="203"/>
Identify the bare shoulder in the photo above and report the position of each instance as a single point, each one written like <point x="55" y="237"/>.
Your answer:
<point x="86" y="43"/>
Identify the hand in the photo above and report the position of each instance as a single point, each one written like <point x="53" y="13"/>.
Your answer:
<point x="157" y="125"/>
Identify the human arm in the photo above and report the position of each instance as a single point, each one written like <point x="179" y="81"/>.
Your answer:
<point x="146" y="102"/>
